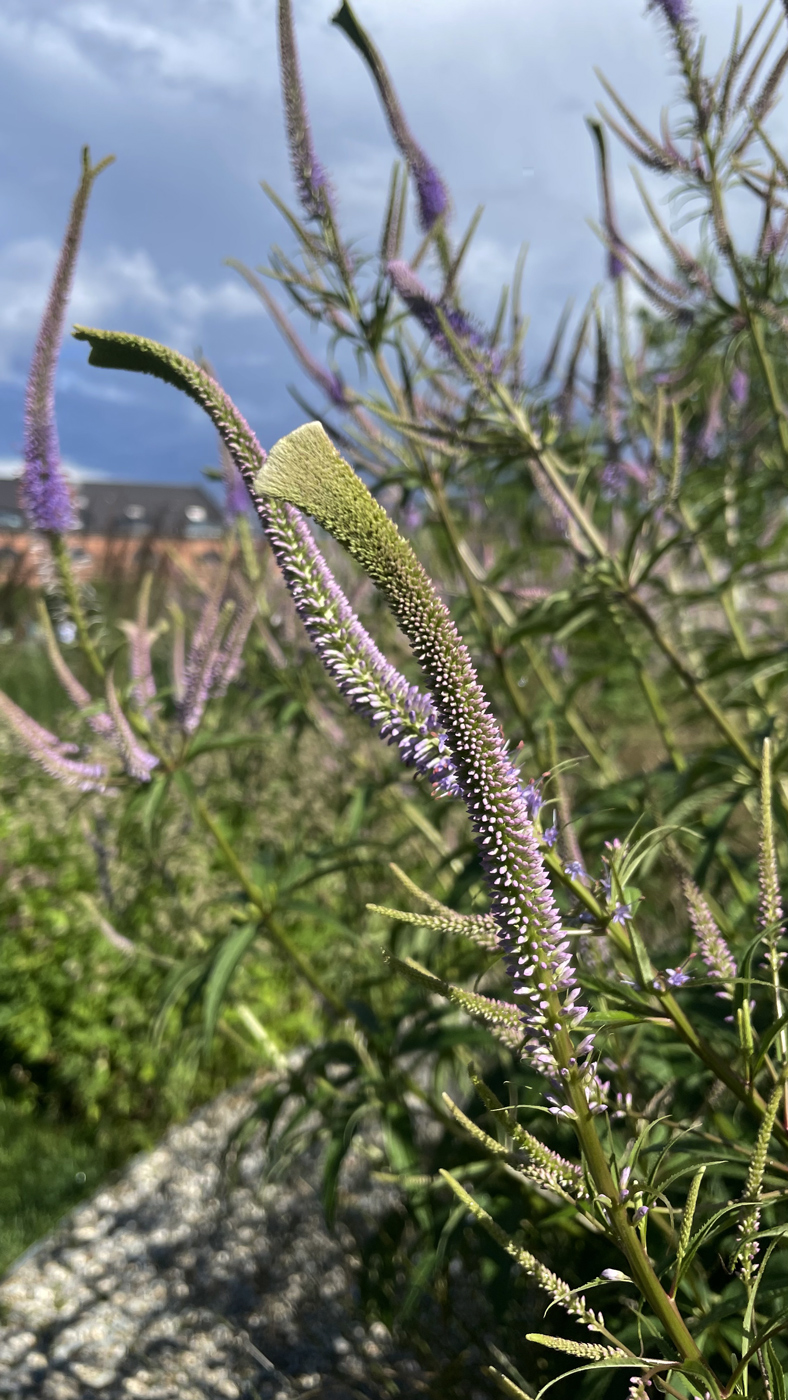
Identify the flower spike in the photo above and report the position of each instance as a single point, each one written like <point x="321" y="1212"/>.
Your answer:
<point x="305" y="470"/>
<point x="437" y="316"/>
<point x="44" y="491"/>
<point x="98" y="720"/>
<point x="712" y="947"/>
<point x="433" y="195"/>
<point x="136" y="760"/>
<point x="49" y="752"/>
<point x="311" y="180"/>
<point x="401" y="712"/>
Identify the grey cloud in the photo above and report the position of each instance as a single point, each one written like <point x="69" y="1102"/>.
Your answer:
<point x="186" y="93"/>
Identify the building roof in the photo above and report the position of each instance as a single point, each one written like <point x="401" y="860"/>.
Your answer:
<point x="123" y="509"/>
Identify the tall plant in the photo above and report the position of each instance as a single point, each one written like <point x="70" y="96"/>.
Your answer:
<point x="608" y="534"/>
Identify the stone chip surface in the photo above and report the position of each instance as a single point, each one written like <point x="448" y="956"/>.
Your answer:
<point x="181" y="1283"/>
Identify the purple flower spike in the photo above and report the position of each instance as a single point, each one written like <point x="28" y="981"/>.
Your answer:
<point x="432" y="193"/>
<point x="230" y="658"/>
<point x="314" y="190"/>
<point x="49" y="752"/>
<point x="711" y="945"/>
<point x="141" y="638"/>
<point x="99" y="721"/>
<point x="428" y="312"/>
<point x="616" y="265"/>
<point x="305" y="470"/>
<point x="44" y="491"/>
<point x="136" y="760"/>
<point x="676" y="12"/>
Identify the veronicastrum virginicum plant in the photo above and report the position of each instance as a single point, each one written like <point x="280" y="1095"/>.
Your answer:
<point x="142" y="730"/>
<point x="665" y="496"/>
<point x="658" y="484"/>
<point x="543" y="1019"/>
<point x="142" y="737"/>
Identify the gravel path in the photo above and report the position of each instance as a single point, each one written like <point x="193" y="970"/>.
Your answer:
<point x="175" y="1284"/>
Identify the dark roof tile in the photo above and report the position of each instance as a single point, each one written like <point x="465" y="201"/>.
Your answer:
<point x="118" y="508"/>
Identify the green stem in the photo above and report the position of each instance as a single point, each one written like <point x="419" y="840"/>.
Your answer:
<point x="274" y="933"/>
<point x="696" y="687"/>
<point x="652" y="696"/>
<point x="663" y="1307"/>
<point x="60" y="554"/>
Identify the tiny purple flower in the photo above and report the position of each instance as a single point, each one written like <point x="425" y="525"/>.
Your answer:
<point x="574" y="869"/>
<point x="640" y="1214"/>
<point x="551" y="834"/>
<point x="621" y="914"/>
<point x="675" y="977"/>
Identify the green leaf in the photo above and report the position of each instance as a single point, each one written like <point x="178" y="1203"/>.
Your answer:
<point x="212" y="743"/>
<point x="153" y="803"/>
<point x="766" y="1040"/>
<point x="222" y="970"/>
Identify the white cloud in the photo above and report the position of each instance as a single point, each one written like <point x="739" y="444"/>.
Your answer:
<point x="186" y="93"/>
<point x="114" y="284"/>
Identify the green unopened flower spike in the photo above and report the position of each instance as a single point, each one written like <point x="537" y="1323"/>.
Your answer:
<point x="401" y="713"/>
<point x="556" y="1289"/>
<point x="482" y="928"/>
<point x="589" y="1351"/>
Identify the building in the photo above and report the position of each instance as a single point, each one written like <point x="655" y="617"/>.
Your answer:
<point x="123" y="525"/>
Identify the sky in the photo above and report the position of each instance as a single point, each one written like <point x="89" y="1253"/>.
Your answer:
<point x="185" y="93"/>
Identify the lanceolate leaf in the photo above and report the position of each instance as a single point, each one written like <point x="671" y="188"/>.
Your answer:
<point x="225" y="964"/>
